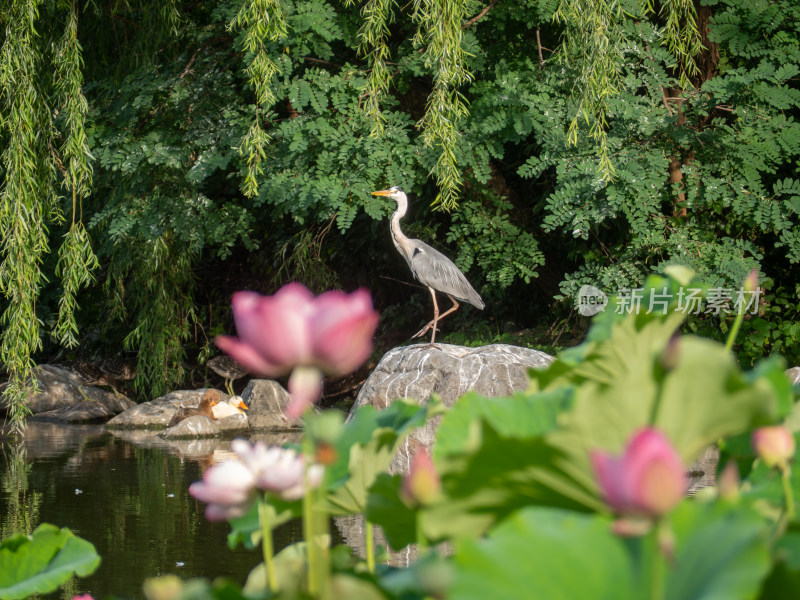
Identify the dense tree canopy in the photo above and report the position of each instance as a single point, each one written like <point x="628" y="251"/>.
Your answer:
<point x="159" y="155"/>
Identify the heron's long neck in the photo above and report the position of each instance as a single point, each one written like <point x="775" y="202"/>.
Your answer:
<point x="400" y="240"/>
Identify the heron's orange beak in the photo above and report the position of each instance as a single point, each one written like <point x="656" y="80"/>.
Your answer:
<point x="382" y="193"/>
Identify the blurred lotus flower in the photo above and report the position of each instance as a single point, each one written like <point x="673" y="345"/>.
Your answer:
<point x="330" y="333"/>
<point x="774" y="445"/>
<point x="422" y="484"/>
<point x="83" y="597"/>
<point x="648" y="480"/>
<point x="277" y="470"/>
<point x="228" y="488"/>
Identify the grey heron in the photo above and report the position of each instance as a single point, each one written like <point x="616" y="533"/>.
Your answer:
<point x="429" y="266"/>
<point x="224" y="366"/>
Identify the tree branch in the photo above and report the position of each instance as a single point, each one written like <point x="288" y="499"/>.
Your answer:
<point x="480" y="15"/>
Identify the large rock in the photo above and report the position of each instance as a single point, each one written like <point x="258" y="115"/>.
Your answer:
<point x="794" y="375"/>
<point x="266" y="401"/>
<point x="64" y="396"/>
<point x="84" y="412"/>
<point x="449" y="371"/>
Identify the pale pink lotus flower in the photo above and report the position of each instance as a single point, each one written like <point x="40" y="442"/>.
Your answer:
<point x="331" y="333"/>
<point x="648" y="480"/>
<point x="422" y="484"/>
<point x="774" y="445"/>
<point x="230" y="487"/>
<point x="277" y="470"/>
<point x="83" y="597"/>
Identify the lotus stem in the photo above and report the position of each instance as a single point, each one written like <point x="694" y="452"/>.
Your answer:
<point x="266" y="543"/>
<point x="786" y="476"/>
<point x="657" y="589"/>
<point x="737" y="323"/>
<point x="369" y="546"/>
<point x="312" y="553"/>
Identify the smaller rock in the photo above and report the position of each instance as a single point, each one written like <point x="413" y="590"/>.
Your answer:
<point x="237" y="422"/>
<point x="267" y="401"/>
<point x="157" y="413"/>
<point x="196" y="426"/>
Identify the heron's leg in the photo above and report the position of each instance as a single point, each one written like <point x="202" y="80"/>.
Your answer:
<point x="451" y="309"/>
<point x="422" y="331"/>
<point x="432" y="323"/>
<point x="435" y="315"/>
<point x="229" y="387"/>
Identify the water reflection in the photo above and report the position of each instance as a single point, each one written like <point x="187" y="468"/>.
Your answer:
<point x="127" y="493"/>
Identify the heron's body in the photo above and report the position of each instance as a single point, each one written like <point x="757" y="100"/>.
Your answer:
<point x="226" y="367"/>
<point x="429" y="266"/>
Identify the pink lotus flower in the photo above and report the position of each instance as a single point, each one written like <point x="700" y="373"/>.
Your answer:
<point x="331" y="333"/>
<point x="230" y="487"/>
<point x="422" y="484"/>
<point x="277" y="470"/>
<point x="774" y="445"/>
<point x="648" y="480"/>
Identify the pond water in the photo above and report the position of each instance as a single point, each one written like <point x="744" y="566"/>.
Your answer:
<point x="127" y="493"/>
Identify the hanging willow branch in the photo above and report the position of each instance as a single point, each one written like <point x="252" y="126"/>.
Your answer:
<point x="593" y="38"/>
<point x="372" y="37"/>
<point x="27" y="202"/>
<point x="439" y="37"/>
<point x="680" y="35"/>
<point x="440" y="33"/>
<point x="76" y="260"/>
<point x="263" y="21"/>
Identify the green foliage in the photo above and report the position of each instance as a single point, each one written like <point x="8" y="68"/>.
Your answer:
<point x="27" y="200"/>
<point x="559" y="543"/>
<point x="41" y="562"/>
<point x="225" y="137"/>
<point x="487" y="236"/>
<point x="366" y="447"/>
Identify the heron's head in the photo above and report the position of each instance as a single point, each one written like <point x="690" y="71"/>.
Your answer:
<point x="395" y="193"/>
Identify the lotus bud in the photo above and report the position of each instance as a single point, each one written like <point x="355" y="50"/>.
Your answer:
<point x="422" y="484"/>
<point x="648" y="480"/>
<point x="672" y="352"/>
<point x="728" y="482"/>
<point x="751" y="281"/>
<point x="774" y="445"/>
